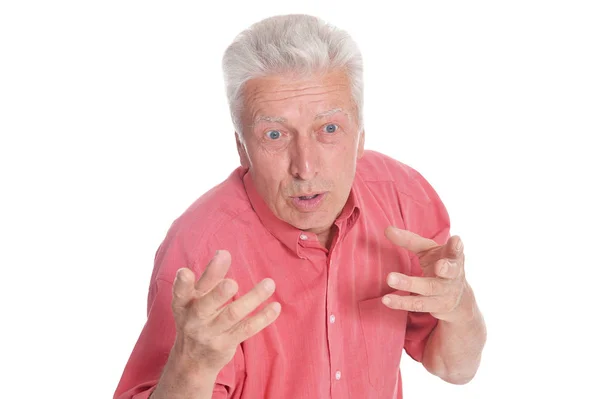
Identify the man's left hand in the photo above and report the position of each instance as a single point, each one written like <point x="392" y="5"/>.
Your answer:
<point x="443" y="290"/>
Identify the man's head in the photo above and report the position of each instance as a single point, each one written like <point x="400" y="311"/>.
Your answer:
<point x="294" y="86"/>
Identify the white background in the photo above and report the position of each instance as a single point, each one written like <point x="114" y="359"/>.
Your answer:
<point x="113" y="119"/>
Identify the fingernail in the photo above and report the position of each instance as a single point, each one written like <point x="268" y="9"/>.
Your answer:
<point x="393" y="279"/>
<point x="217" y="252"/>
<point x="277" y="307"/>
<point x="386" y="300"/>
<point x="228" y="287"/>
<point x="444" y="268"/>
<point x="269" y="284"/>
<point x="459" y="245"/>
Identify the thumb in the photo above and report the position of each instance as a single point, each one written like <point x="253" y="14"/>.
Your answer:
<point x="183" y="288"/>
<point x="409" y="240"/>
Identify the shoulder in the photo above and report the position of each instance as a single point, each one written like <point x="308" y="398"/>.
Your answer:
<point x="402" y="188"/>
<point x="375" y="167"/>
<point x="215" y="208"/>
<point x="193" y="237"/>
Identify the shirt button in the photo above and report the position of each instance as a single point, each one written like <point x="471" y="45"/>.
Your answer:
<point x="338" y="375"/>
<point x="332" y="319"/>
<point x="303" y="237"/>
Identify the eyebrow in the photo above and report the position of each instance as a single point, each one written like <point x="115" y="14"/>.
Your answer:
<point x="280" y="119"/>
<point x="262" y="118"/>
<point x="329" y="113"/>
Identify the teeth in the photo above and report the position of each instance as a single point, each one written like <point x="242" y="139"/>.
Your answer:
<point x="309" y="197"/>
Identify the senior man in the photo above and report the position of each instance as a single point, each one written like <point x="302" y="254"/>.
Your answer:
<point x="308" y="271"/>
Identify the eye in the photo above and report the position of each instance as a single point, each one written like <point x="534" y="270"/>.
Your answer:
<point x="273" y="134"/>
<point x="331" y="128"/>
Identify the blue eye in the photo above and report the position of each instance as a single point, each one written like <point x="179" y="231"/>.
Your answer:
<point x="274" y="134"/>
<point x="331" y="128"/>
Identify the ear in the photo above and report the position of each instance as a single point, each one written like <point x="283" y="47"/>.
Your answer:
<point x="244" y="161"/>
<point x="361" y="144"/>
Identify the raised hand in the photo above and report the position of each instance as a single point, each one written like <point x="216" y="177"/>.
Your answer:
<point x="441" y="289"/>
<point x="208" y="332"/>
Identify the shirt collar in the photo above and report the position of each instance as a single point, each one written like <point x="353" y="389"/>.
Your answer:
<point x="285" y="232"/>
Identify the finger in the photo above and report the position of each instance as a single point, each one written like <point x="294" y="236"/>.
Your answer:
<point x="428" y="286"/>
<point x="234" y="312"/>
<point x="453" y="249"/>
<point x="183" y="288"/>
<point x="209" y="303"/>
<point x="215" y="272"/>
<point x="409" y="240"/>
<point x="414" y="303"/>
<point x="256" y="323"/>
<point x="448" y="268"/>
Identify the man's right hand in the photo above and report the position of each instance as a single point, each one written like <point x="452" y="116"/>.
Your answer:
<point x="208" y="332"/>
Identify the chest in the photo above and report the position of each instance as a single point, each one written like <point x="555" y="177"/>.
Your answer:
<point x="313" y="280"/>
<point x="332" y="324"/>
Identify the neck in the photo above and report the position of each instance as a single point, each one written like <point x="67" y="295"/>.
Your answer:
<point x="326" y="237"/>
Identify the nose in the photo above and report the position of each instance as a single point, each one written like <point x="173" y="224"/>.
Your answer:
<point x="304" y="159"/>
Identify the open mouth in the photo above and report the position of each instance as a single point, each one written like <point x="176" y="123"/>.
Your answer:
<point x="308" y="203"/>
<point x="308" y="197"/>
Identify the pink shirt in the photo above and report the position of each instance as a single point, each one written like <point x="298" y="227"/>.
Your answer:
<point x="334" y="338"/>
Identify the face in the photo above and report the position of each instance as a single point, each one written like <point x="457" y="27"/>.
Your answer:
<point x="301" y="142"/>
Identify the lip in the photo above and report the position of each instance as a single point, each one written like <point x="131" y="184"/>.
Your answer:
<point x="310" y="204"/>
<point x="306" y="195"/>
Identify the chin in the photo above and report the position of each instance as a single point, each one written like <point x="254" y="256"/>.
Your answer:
<point x="313" y="224"/>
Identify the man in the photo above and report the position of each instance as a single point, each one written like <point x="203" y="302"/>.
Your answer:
<point x="356" y="243"/>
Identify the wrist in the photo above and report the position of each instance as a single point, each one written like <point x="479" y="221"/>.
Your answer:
<point x="182" y="377"/>
<point x="182" y="363"/>
<point x="466" y="312"/>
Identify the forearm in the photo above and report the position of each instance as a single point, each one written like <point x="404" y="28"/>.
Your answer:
<point x="182" y="380"/>
<point x="453" y="350"/>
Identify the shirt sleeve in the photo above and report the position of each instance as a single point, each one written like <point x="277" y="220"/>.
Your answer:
<point x="428" y="218"/>
<point x="151" y="351"/>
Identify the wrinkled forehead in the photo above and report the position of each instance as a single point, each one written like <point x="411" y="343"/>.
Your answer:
<point x="271" y="98"/>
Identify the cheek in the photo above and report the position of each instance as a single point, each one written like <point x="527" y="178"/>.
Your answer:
<point x="271" y="172"/>
<point x="345" y="160"/>
<point x="345" y="169"/>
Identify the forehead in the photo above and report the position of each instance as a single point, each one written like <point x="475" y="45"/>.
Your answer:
<point x="287" y="93"/>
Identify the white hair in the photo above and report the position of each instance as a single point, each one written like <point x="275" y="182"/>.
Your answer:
<point x="295" y="43"/>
